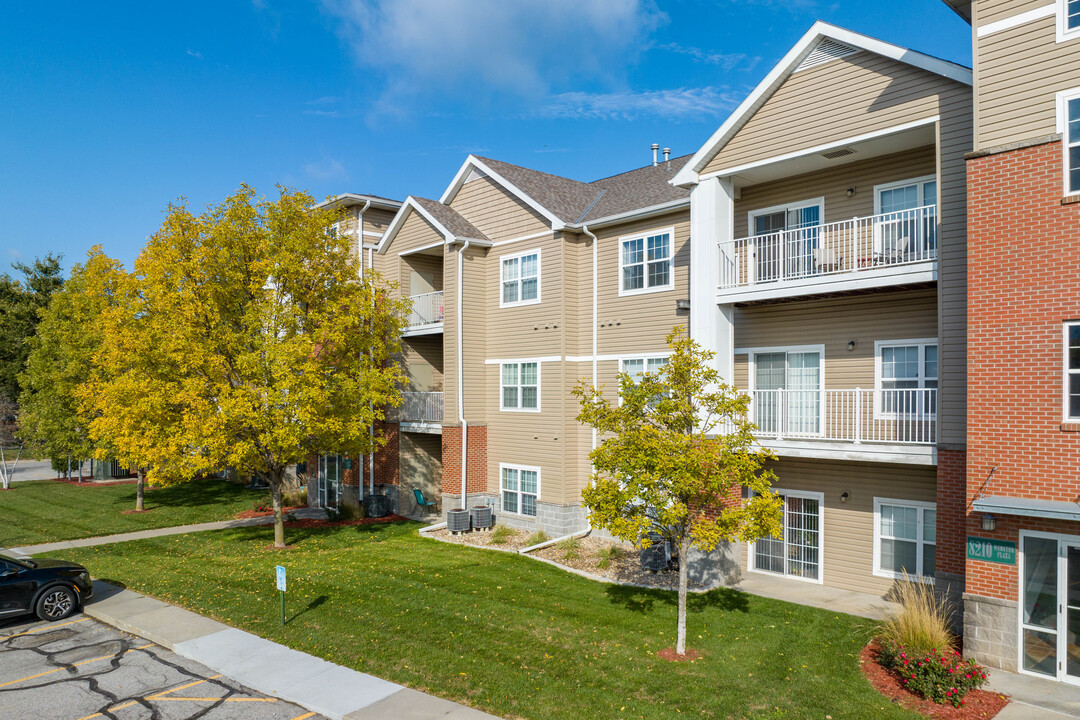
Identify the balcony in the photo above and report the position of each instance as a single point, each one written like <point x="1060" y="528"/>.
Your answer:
<point x="882" y="425"/>
<point x="426" y="316"/>
<point x="421" y="412"/>
<point x="885" y="249"/>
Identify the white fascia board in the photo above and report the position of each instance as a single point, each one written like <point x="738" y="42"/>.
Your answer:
<point x="474" y="162"/>
<point x="359" y="200"/>
<point x="689" y="173"/>
<point x="410" y="205"/>
<point x="638" y="214"/>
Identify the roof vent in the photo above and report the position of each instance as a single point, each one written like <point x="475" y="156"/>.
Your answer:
<point x="825" y="51"/>
<point x="475" y="174"/>
<point x="838" y="153"/>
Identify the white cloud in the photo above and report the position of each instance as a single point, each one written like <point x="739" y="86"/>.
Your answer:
<point x="195" y="54"/>
<point x="14" y="254"/>
<point x="527" y="48"/>
<point x="326" y="169"/>
<point x="676" y="104"/>
<point x="725" y="61"/>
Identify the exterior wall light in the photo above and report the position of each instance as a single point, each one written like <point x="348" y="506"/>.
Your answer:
<point x="844" y="496"/>
<point x="850" y="192"/>
<point x="850" y="345"/>
<point x="989" y="522"/>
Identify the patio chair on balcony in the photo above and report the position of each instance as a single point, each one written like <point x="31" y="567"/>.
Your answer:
<point x="422" y="503"/>
<point x="893" y="252"/>
<point x="826" y="260"/>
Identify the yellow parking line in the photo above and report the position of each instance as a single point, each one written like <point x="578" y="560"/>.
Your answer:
<point x="214" y="699"/>
<point x="302" y="717"/>
<point x="44" y="627"/>
<point x="114" y="707"/>
<point x="50" y="672"/>
<point x="182" y="687"/>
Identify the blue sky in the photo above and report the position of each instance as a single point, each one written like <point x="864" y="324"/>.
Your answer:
<point x="109" y="111"/>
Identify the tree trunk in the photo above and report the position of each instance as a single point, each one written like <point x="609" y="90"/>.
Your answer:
<point x="139" y="491"/>
<point x="279" y="519"/>
<point x="684" y="556"/>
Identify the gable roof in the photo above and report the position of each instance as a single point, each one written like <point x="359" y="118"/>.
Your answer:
<point x="961" y="8"/>
<point x="819" y="33"/>
<point x="446" y="221"/>
<point x="351" y="199"/>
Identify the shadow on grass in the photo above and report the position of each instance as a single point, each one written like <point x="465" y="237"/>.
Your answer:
<point x="644" y="600"/>
<point x="317" y="602"/>
<point x="196" y="493"/>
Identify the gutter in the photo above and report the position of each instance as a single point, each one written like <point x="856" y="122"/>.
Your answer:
<point x="371" y="428"/>
<point x="644" y="212"/>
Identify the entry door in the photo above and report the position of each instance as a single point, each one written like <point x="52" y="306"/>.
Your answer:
<point x="786" y="241"/>
<point x="329" y="480"/>
<point x="787" y="393"/>
<point x="796" y="552"/>
<point x="1050" y="620"/>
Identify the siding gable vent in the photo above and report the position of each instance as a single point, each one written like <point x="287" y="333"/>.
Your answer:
<point x="825" y="51"/>
<point x="838" y="153"/>
<point x="475" y="174"/>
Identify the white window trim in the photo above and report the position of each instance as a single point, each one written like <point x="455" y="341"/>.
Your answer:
<point x="920" y="181"/>
<point x="879" y="414"/>
<point x="1065" y="417"/>
<point x="670" y="232"/>
<point x="752" y="547"/>
<point x="519" y="468"/>
<point x="751" y="369"/>
<point x="539" y="272"/>
<point x="645" y="358"/>
<point x="921" y="505"/>
<point x="1020" y="562"/>
<point x="519" y="363"/>
<point x="1062" y="99"/>
<point x="1062" y="31"/>
<point x="799" y="205"/>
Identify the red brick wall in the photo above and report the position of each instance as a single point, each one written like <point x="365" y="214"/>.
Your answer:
<point x="386" y="457"/>
<point x="477" y="459"/>
<point x="951" y="520"/>
<point x="1022" y="284"/>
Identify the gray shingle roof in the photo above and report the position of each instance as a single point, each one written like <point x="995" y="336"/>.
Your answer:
<point x="450" y="219"/>
<point x="566" y="199"/>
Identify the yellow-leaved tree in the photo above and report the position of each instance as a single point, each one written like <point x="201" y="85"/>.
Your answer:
<point x="676" y="450"/>
<point x="247" y="339"/>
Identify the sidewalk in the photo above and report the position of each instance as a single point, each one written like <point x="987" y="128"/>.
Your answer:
<point x="267" y="667"/>
<point x="1034" y="698"/>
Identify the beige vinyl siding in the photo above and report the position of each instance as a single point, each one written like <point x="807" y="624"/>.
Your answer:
<point x="638" y="323"/>
<point x="474" y="306"/>
<point x="996" y="10"/>
<point x="376" y="220"/>
<point x="420" y="467"/>
<point x="427" y="267"/>
<point x="533" y="329"/>
<point x="954" y="140"/>
<point x="423" y="356"/>
<point x="898" y="315"/>
<point x="832" y="184"/>
<point x="1020" y="71"/>
<point x="416" y="232"/>
<point x="847" y="538"/>
<point x="496" y="212"/>
<point x="844" y="98"/>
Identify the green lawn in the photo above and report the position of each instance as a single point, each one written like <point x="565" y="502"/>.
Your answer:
<point x="504" y="633"/>
<point x="46" y="511"/>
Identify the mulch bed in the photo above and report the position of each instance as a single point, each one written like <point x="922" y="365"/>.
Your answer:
<point x="978" y="704"/>
<point x="311" y="523"/>
<point x="133" y="512"/>
<point x="625" y="567"/>
<point x="247" y="514"/>
<point x="670" y="655"/>
<point x="516" y="540"/>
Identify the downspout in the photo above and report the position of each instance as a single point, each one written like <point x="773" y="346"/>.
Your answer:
<point x="371" y="428"/>
<point x="360" y="237"/>
<point x="595" y="249"/>
<point x="461" y="382"/>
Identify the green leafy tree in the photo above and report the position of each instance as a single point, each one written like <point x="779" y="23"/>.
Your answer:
<point x="60" y="361"/>
<point x="21" y="303"/>
<point x="675" y="453"/>
<point x="260" y="344"/>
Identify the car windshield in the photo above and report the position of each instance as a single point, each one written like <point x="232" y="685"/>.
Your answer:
<point x="25" y="562"/>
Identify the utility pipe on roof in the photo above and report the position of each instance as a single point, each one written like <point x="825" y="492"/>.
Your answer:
<point x="595" y="290"/>
<point x="461" y="380"/>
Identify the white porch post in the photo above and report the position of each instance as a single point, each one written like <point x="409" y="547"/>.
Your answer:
<point x="712" y="208"/>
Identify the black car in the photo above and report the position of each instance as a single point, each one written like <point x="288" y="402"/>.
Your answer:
<point x="51" y="589"/>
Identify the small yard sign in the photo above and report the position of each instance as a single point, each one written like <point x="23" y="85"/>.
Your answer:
<point x="990" y="550"/>
<point x="281" y="588"/>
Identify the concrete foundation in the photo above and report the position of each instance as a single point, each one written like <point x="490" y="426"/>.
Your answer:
<point x="555" y="520"/>
<point x="990" y="636"/>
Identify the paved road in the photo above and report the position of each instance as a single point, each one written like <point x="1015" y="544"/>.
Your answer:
<point x="35" y="470"/>
<point x="80" y="669"/>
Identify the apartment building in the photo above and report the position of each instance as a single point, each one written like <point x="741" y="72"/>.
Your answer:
<point x="1022" y="610"/>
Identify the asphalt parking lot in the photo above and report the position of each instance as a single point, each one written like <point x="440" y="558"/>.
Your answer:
<point x="79" y="669"/>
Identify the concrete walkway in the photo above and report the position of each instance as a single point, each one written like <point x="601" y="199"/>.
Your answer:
<point x="302" y="514"/>
<point x="267" y="667"/>
<point x="1034" y="698"/>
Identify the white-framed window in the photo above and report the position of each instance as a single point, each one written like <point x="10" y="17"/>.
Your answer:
<point x="905" y="378"/>
<point x="905" y="538"/>
<point x="786" y="239"/>
<point x="787" y="389"/>
<point x="1068" y="124"/>
<point x="1068" y="19"/>
<point x="645" y="262"/>
<point x="905" y="194"/>
<point x="1071" y="380"/>
<point x="519" y="386"/>
<point x="520" y="279"/>
<point x="639" y="365"/>
<point x="796" y="552"/>
<point x="519" y="486"/>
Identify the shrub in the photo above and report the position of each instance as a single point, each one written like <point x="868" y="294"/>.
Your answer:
<point x="611" y="552"/>
<point x="536" y="538"/>
<point x="263" y="504"/>
<point x="921" y="625"/>
<point x="502" y="535"/>
<point x="943" y="678"/>
<point x="345" y="512"/>
<point x="294" y="498"/>
<point x="570" y="548"/>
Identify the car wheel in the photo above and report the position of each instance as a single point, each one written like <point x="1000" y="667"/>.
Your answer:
<point x="56" y="603"/>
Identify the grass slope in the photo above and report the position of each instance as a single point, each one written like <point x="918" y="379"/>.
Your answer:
<point x="46" y="511"/>
<point x="504" y="633"/>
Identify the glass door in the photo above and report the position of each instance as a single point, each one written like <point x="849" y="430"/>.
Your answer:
<point x="1070" y="623"/>
<point x="796" y="552"/>
<point x="329" y="480"/>
<point x="1050" y="623"/>
<point x="787" y="393"/>
<point x="785" y="242"/>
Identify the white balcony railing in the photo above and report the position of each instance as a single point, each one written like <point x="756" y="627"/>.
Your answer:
<point x="856" y="416"/>
<point x="427" y="309"/>
<point x="855" y="245"/>
<point x="421" y="407"/>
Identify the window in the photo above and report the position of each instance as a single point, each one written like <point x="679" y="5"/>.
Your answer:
<point x="645" y="263"/>
<point x="1068" y="124"/>
<point x="796" y="552"/>
<point x="906" y="224"/>
<point x="520" y="486"/>
<point x="638" y="366"/>
<point x="786" y="385"/>
<point x="906" y="378"/>
<point x="905" y="538"/>
<point x="328" y="482"/>
<point x="786" y="239"/>
<point x="1068" y="19"/>
<point x="520" y="386"/>
<point x="520" y="279"/>
<point x="1072" y="371"/>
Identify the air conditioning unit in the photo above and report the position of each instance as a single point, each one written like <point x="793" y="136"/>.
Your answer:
<point x="657" y="556"/>
<point x="458" y="520"/>
<point x="482" y="517"/>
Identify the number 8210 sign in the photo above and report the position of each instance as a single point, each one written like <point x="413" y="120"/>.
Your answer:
<point x="991" y="550"/>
